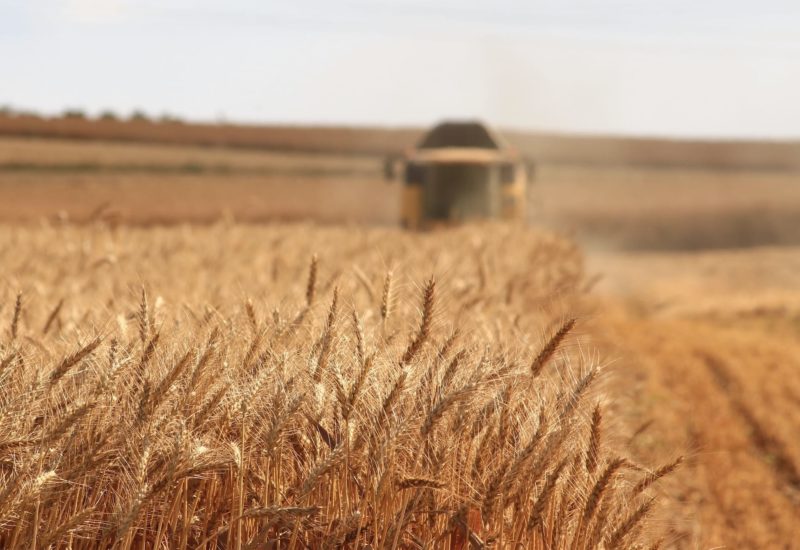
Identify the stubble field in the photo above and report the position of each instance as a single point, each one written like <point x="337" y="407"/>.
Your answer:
<point x="707" y="359"/>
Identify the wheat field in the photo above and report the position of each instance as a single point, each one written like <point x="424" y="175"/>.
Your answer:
<point x="291" y="386"/>
<point x="195" y="386"/>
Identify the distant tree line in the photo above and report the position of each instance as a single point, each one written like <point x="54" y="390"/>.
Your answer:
<point x="137" y="115"/>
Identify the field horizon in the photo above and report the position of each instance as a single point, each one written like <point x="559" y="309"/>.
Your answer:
<point x="548" y="147"/>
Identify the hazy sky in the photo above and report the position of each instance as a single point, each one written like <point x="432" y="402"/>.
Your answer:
<point x="703" y="68"/>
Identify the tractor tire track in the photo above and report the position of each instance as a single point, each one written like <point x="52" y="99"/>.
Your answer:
<point x="784" y="467"/>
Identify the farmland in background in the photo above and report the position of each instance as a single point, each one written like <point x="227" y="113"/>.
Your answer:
<point x="646" y="204"/>
<point x="145" y="183"/>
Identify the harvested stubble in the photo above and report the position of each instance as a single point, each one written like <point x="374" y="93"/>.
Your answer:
<point x="218" y="388"/>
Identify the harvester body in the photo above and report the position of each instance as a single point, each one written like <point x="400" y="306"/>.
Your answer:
<point x="460" y="171"/>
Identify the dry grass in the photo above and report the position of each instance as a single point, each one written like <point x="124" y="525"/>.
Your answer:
<point x="217" y="388"/>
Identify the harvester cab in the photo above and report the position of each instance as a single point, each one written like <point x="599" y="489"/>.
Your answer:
<point x="460" y="171"/>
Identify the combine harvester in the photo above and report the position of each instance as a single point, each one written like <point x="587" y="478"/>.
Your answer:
<point x="460" y="171"/>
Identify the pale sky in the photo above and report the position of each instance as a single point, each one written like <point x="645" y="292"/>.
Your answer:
<point x="691" y="68"/>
